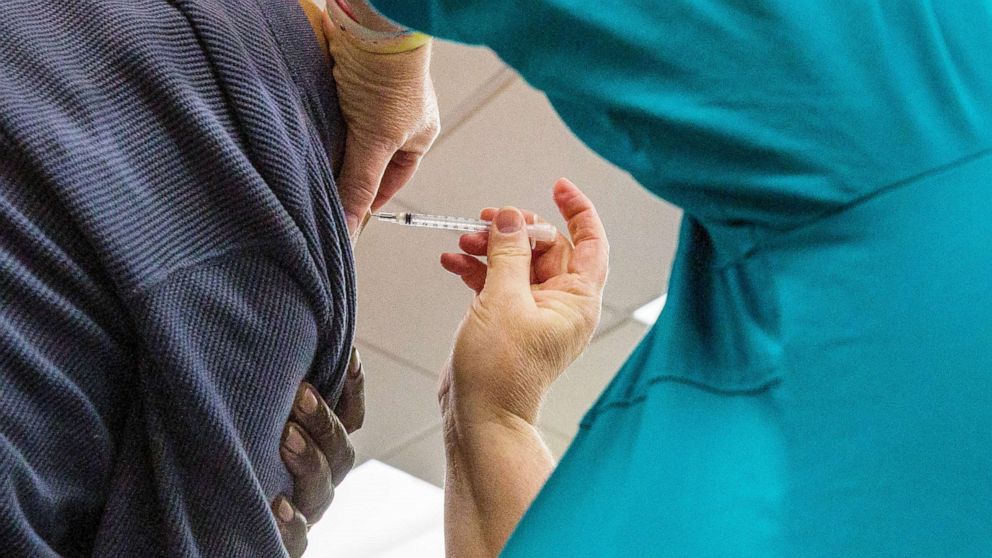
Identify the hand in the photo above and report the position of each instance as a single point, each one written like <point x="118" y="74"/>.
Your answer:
<point x="534" y="312"/>
<point x="389" y="104"/>
<point x="318" y="453"/>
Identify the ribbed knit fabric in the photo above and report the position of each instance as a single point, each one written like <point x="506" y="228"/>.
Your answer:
<point x="173" y="262"/>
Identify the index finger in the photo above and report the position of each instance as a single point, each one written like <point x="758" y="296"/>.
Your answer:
<point x="591" y="252"/>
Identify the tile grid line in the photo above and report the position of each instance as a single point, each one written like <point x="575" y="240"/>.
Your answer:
<point x="476" y="101"/>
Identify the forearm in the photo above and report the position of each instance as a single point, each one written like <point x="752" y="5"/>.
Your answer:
<point x="513" y="343"/>
<point x="496" y="465"/>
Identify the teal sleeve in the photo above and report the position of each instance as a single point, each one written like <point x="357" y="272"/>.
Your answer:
<point x="754" y="119"/>
<point x="817" y="384"/>
<point x="414" y="14"/>
<point x="441" y="19"/>
<point x="568" y="50"/>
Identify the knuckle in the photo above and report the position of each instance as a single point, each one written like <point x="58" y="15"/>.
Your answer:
<point x="309" y="463"/>
<point x="294" y="534"/>
<point x="332" y="433"/>
<point x="486" y="308"/>
<point x="359" y="191"/>
<point x="354" y="417"/>
<point x="576" y="285"/>
<point x="433" y="129"/>
<point x="358" y="417"/>
<point x="316" y="424"/>
<point x="349" y="452"/>
<point x="508" y="250"/>
<point x="297" y="544"/>
<point x="313" y="508"/>
<point x="407" y="158"/>
<point x="344" y="463"/>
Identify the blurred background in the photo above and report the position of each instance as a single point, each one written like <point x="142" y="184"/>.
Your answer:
<point x="501" y="144"/>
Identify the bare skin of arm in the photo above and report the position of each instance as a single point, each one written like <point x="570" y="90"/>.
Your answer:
<point x="495" y="468"/>
<point x="533" y="315"/>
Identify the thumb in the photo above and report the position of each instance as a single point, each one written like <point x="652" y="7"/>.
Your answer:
<point x="360" y="177"/>
<point x="508" y="255"/>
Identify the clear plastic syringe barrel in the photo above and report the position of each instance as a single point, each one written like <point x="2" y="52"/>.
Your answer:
<point x="544" y="232"/>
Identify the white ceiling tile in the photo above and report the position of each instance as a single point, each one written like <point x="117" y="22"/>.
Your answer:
<point x="422" y="458"/>
<point x="609" y="320"/>
<point x="408" y="305"/>
<point x="380" y="512"/>
<point x="575" y="392"/>
<point x="556" y="442"/>
<point x="459" y="71"/>
<point x="360" y="458"/>
<point x="400" y="404"/>
<point x="512" y="151"/>
<point x="649" y="313"/>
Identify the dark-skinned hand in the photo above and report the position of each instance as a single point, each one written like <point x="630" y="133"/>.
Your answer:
<point x="317" y="452"/>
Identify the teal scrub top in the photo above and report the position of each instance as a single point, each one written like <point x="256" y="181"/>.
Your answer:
<point x="820" y="381"/>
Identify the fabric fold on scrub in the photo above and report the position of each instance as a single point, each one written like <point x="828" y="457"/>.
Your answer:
<point x="818" y="383"/>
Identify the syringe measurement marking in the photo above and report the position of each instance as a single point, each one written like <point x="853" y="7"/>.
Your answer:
<point x="540" y="231"/>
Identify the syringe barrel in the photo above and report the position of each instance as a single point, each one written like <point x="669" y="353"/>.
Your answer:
<point x="542" y="232"/>
<point x="445" y="222"/>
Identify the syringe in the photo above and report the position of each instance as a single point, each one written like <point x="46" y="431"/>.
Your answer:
<point x="544" y="232"/>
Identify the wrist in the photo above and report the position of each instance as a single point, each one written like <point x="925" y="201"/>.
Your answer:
<point x="495" y="466"/>
<point x="476" y="405"/>
<point x="467" y="420"/>
<point x="470" y="436"/>
<point x="475" y="416"/>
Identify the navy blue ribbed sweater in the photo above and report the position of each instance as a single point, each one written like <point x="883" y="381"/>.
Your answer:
<point x="173" y="262"/>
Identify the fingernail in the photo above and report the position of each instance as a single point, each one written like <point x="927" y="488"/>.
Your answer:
<point x="509" y="220"/>
<point x="294" y="441"/>
<point x="308" y="401"/>
<point x="355" y="365"/>
<point x="284" y="510"/>
<point x="352" y="223"/>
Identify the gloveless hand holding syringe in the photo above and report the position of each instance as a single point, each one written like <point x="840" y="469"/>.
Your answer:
<point x="543" y="232"/>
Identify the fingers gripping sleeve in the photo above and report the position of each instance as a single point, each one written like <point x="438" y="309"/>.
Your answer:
<point x="225" y="348"/>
